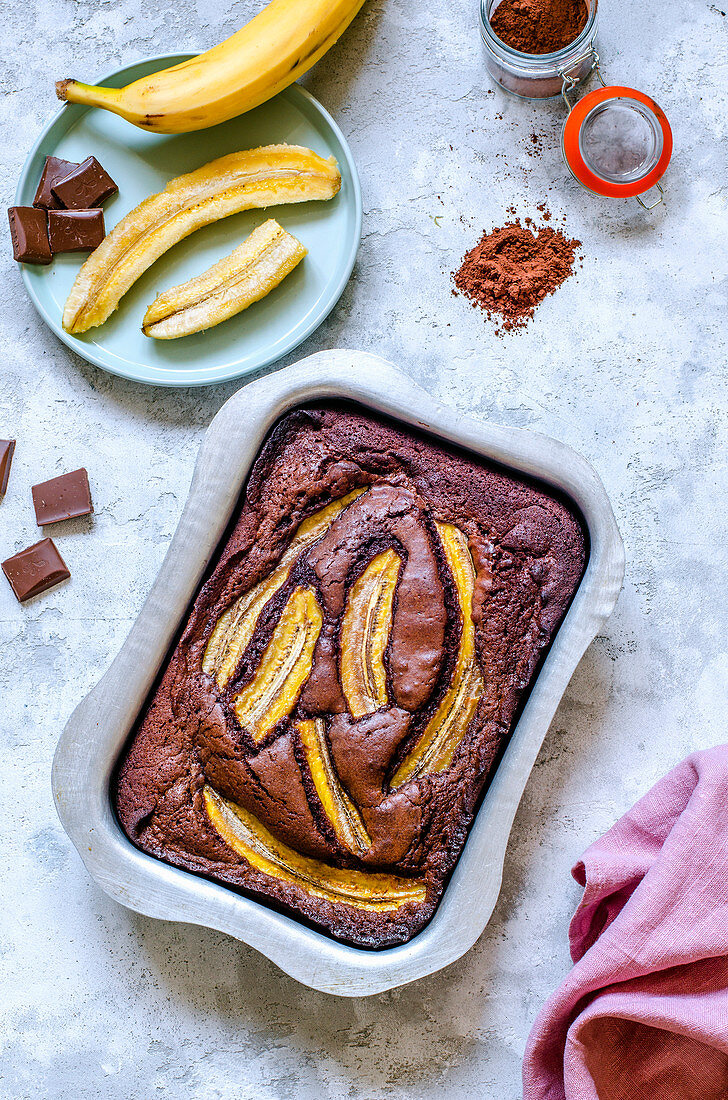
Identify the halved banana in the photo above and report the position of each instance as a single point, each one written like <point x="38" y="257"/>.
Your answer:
<point x="235" y="627"/>
<point x="445" y="730"/>
<point x="258" y="265"/>
<point x="256" y="178"/>
<point x="249" y="838"/>
<point x="365" y="631"/>
<point x="285" y="665"/>
<point x="342" y="813"/>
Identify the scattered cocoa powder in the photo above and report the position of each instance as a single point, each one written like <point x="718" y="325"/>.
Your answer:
<point x="534" y="145"/>
<point x="539" y="26"/>
<point x="512" y="269"/>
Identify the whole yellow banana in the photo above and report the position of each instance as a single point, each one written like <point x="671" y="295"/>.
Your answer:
<point x="275" y="48"/>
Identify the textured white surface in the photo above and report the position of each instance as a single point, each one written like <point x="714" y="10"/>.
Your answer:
<point x="627" y="363"/>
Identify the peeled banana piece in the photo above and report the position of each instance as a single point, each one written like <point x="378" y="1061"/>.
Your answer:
<point x="256" y="266"/>
<point x="436" y="746"/>
<point x="235" y="627"/>
<point x="250" y="839"/>
<point x="343" y="815"/>
<point x="253" y="179"/>
<point x="275" y="48"/>
<point x="365" y="632"/>
<point x="285" y="665"/>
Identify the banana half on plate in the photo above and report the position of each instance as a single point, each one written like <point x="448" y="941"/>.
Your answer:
<point x="250" y="180"/>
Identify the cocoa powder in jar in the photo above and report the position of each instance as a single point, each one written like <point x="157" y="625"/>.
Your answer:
<point x="539" y="26"/>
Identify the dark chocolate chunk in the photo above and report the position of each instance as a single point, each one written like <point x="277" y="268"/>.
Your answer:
<point x="29" y="232"/>
<point x="86" y="186"/>
<point x="7" y="446"/>
<point x="62" y="497"/>
<point x="54" y="170"/>
<point x="35" y="569"/>
<point x="75" y="230"/>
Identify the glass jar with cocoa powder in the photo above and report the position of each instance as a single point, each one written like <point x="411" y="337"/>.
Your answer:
<point x="616" y="141"/>
<point x="539" y="74"/>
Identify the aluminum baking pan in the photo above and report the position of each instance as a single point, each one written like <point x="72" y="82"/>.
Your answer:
<point x="98" y="728"/>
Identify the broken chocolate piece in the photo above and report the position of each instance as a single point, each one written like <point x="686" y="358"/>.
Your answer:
<point x="63" y="497"/>
<point x="35" y="569"/>
<point x="54" y="170"/>
<point x="86" y="186"/>
<point x="7" y="446"/>
<point x="29" y="232"/>
<point x="75" y="230"/>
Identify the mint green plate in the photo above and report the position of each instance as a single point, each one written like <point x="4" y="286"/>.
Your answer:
<point x="143" y="163"/>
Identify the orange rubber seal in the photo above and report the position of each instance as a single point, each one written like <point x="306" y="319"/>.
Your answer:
<point x="576" y="162"/>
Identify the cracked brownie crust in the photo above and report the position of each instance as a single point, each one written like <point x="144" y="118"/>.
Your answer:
<point x="349" y="673"/>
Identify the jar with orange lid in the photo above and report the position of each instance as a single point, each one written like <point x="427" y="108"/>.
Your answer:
<point x="616" y="141"/>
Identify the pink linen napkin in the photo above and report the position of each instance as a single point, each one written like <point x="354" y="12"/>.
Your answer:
<point x="643" y="1015"/>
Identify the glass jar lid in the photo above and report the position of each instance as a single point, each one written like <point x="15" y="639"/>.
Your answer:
<point x="617" y="142"/>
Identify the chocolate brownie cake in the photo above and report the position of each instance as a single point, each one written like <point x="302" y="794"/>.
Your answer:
<point x="349" y="672"/>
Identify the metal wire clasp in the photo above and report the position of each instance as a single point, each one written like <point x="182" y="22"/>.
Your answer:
<point x="569" y="82"/>
<point x="652" y="205"/>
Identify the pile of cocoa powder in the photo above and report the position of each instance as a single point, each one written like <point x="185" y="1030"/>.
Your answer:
<point x="512" y="269"/>
<point x="539" y="26"/>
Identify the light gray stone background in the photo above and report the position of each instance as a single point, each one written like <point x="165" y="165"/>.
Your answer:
<point x="626" y="363"/>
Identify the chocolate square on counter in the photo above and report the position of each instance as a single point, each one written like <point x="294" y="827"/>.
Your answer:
<point x="86" y="186"/>
<point x="29" y="233"/>
<point x="54" y="170"/>
<point x="63" y="497"/>
<point x="7" y="446"/>
<point x="75" y="230"/>
<point x="35" y="569"/>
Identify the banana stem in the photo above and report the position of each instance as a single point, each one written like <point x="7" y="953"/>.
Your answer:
<point x="91" y="96"/>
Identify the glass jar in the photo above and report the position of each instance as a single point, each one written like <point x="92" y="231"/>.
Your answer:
<point x="539" y="76"/>
<point x="617" y="142"/>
